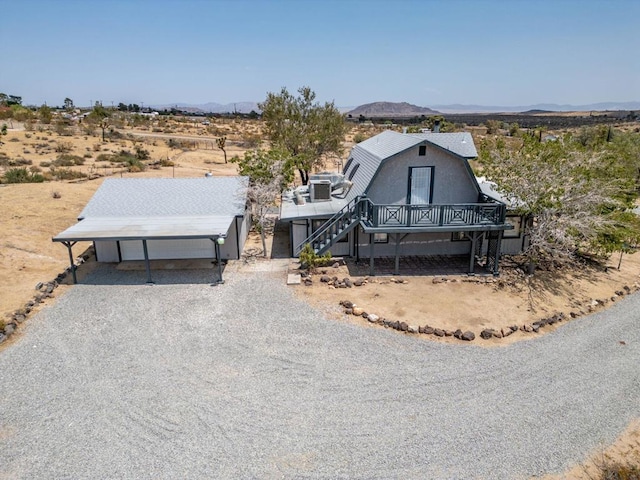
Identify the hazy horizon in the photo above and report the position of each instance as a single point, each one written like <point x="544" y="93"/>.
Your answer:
<point x="351" y="52"/>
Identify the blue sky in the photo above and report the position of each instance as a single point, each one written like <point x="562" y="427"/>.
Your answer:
<point x="426" y="52"/>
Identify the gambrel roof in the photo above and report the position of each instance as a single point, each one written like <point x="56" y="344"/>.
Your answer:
<point x="371" y="153"/>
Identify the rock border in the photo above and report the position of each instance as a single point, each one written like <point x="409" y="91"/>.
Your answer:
<point x="44" y="291"/>
<point x="349" y="308"/>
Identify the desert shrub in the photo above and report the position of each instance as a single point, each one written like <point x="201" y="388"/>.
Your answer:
<point x="66" y="160"/>
<point x="251" y="141"/>
<point x="359" y="137"/>
<point x="310" y="259"/>
<point x="96" y="147"/>
<point x="56" y="194"/>
<point x="142" y="153"/>
<point x="22" y="175"/>
<point x="65" y="174"/>
<point x="19" y="162"/>
<point x="14" y="139"/>
<point x="45" y="164"/>
<point x="165" y="162"/>
<point x="87" y="155"/>
<point x="627" y="470"/>
<point x="64" y="147"/>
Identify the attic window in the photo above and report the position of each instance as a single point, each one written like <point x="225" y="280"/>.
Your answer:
<point x="422" y="150"/>
<point x="346" y="167"/>
<point x="353" y="172"/>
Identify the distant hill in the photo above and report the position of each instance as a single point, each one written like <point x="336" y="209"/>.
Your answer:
<point x="211" y="107"/>
<point x="390" y="109"/>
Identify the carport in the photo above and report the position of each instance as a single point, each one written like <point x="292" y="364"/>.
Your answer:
<point x="144" y="229"/>
<point x="163" y="218"/>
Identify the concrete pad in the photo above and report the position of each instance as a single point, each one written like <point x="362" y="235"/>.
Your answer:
<point x="294" y="279"/>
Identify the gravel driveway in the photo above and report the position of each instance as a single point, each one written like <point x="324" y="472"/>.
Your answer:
<point x="242" y="380"/>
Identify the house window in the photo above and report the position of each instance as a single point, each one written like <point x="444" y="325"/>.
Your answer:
<point x="353" y="172"/>
<point x="420" y="185"/>
<point x="346" y="167"/>
<point x="516" y="221"/>
<point x="422" y="150"/>
<point x="460" y="237"/>
<point x="316" y="224"/>
<point x="380" y="238"/>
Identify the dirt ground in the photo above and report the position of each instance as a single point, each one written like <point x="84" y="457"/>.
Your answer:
<point x="31" y="215"/>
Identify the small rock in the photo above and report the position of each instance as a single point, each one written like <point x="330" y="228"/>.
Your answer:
<point x="325" y="278"/>
<point x="627" y="289"/>
<point x="448" y="333"/>
<point x="395" y="325"/>
<point x="497" y="334"/>
<point x="9" y="328"/>
<point x="18" y="317"/>
<point x="347" y="304"/>
<point x="438" y="332"/>
<point x="357" y="310"/>
<point x="348" y="311"/>
<point x="39" y="285"/>
<point x="506" y="332"/>
<point x="364" y="315"/>
<point x="420" y="329"/>
<point x="412" y="329"/>
<point x="373" y="318"/>
<point x="404" y="326"/>
<point x="573" y="314"/>
<point x="468" y="336"/>
<point x="358" y="282"/>
<point x="336" y="265"/>
<point x="347" y="282"/>
<point x="428" y="330"/>
<point x="2" y="337"/>
<point x="458" y="334"/>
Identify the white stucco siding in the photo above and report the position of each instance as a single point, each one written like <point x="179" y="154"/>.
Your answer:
<point x="452" y="182"/>
<point x="107" y="251"/>
<point x="168" y="249"/>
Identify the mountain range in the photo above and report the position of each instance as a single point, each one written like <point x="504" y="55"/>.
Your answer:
<point x="382" y="109"/>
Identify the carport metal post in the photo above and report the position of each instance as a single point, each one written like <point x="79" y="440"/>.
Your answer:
<point x="216" y="244"/>
<point x="146" y="260"/>
<point x="73" y="265"/>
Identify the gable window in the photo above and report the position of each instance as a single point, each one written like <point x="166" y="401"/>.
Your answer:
<point x="422" y="150"/>
<point x="346" y="167"/>
<point x="353" y="171"/>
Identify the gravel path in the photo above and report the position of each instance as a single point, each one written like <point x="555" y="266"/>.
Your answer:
<point x="183" y="380"/>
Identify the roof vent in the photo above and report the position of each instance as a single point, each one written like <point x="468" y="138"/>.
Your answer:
<point x="320" y="190"/>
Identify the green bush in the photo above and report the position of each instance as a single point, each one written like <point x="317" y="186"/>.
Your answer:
<point x="22" y="175"/>
<point x="310" y="259"/>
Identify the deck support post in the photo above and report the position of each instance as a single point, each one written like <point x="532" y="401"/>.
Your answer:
<point x="72" y="264"/>
<point x="371" y="261"/>
<point x="397" y="252"/>
<point x="147" y="264"/>
<point x="472" y="253"/>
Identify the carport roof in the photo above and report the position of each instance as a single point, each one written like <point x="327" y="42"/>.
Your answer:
<point x="146" y="228"/>
<point x="160" y="208"/>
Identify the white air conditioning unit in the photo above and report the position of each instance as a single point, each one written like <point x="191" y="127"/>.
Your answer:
<point x="320" y="190"/>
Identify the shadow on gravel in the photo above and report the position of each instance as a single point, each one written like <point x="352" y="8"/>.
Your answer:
<point x="108" y="274"/>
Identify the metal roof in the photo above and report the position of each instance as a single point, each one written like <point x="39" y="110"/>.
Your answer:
<point x="140" y="197"/>
<point x="160" y="208"/>
<point x="148" y="228"/>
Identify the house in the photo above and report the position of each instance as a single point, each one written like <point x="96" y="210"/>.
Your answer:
<point x="164" y="218"/>
<point x="400" y="194"/>
<point x="516" y="240"/>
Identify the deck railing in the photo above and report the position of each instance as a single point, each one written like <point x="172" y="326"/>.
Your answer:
<point x="462" y="215"/>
